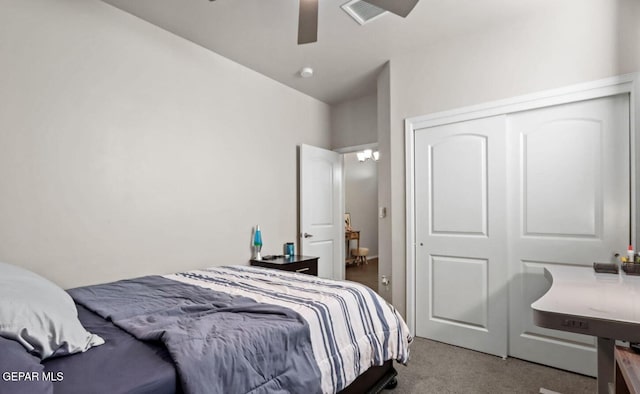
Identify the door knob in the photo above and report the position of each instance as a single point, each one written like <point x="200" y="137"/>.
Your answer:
<point x="307" y="235"/>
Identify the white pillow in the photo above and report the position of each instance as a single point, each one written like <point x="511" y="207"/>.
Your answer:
<point x="40" y="315"/>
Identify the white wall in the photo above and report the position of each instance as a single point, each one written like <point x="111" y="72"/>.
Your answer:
<point x="354" y="122"/>
<point x="361" y="200"/>
<point x="125" y="150"/>
<point x="575" y="41"/>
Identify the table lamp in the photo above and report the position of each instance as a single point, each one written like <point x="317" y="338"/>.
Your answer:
<point x="257" y="243"/>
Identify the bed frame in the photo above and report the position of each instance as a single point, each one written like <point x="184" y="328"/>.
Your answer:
<point x="374" y="380"/>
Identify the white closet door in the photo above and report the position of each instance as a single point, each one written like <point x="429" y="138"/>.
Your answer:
<point x="461" y="271"/>
<point x="569" y="205"/>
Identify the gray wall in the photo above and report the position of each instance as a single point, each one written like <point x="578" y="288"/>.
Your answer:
<point x="354" y="122"/>
<point x="361" y="200"/>
<point x="125" y="150"/>
<point x="573" y="41"/>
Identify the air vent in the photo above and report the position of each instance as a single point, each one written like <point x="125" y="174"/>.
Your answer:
<point x="362" y="11"/>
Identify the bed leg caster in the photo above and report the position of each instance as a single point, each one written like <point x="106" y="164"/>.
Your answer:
<point x="393" y="383"/>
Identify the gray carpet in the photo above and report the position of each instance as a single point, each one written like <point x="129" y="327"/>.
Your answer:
<point x="439" y="368"/>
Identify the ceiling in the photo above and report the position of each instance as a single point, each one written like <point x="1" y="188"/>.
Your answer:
<point x="262" y="35"/>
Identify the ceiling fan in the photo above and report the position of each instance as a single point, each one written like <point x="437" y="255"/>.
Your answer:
<point x="308" y="18"/>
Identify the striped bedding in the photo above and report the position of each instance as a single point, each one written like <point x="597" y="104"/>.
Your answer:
<point x="351" y="327"/>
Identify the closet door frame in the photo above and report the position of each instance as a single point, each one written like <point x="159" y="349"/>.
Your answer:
<point x="628" y="83"/>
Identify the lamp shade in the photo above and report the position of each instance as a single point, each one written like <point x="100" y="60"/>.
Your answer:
<point x="257" y="237"/>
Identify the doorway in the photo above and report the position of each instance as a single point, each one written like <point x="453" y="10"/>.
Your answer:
<point x="361" y="216"/>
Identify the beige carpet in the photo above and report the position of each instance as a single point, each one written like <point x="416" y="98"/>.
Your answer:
<point x="439" y="368"/>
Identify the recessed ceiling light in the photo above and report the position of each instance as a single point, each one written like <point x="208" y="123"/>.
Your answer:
<point x="306" y="72"/>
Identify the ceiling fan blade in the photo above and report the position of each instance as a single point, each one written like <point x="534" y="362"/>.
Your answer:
<point x="308" y="22"/>
<point x="398" y="7"/>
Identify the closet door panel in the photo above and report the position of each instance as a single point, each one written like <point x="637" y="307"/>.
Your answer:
<point x="459" y="185"/>
<point x="562" y="191"/>
<point x="461" y="269"/>
<point x="568" y="192"/>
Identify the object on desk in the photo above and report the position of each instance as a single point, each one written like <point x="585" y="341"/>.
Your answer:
<point x="630" y="254"/>
<point x="289" y="249"/>
<point x="272" y="257"/>
<point x="631" y="268"/>
<point x="257" y="243"/>
<point x="605" y="268"/>
<point x="347" y="222"/>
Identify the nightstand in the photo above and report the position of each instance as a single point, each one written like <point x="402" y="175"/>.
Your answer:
<point x="302" y="264"/>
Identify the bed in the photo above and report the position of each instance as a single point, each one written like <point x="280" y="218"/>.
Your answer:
<point x="235" y="329"/>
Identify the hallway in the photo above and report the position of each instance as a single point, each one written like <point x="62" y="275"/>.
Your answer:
<point x="367" y="274"/>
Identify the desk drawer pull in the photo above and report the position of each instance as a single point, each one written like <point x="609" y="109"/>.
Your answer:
<point x="303" y="269"/>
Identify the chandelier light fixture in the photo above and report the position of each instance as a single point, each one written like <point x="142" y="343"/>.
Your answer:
<point x="368" y="154"/>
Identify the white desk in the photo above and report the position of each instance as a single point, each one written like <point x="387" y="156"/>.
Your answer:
<point x="602" y="305"/>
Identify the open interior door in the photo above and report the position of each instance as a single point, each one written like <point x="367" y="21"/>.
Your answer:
<point x="321" y="206"/>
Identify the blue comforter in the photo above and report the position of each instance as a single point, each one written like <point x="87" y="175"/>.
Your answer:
<point x="220" y="343"/>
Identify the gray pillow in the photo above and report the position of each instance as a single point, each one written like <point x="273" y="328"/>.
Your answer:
<point x="40" y="315"/>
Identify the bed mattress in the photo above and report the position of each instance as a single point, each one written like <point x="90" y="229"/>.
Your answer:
<point x="345" y="329"/>
<point x="122" y="365"/>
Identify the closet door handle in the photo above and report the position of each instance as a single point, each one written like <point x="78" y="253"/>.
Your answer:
<point x="307" y="235"/>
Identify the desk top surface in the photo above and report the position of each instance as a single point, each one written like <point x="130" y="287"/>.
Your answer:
<point x="579" y="291"/>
